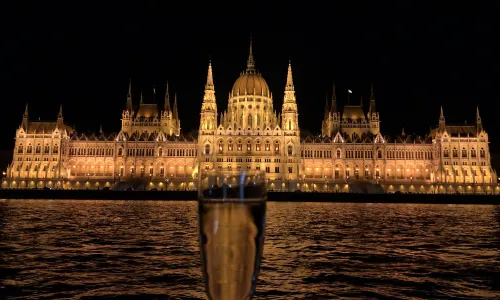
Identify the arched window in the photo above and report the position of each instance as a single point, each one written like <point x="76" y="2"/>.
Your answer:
<point x="120" y="151"/>
<point x="249" y="120"/>
<point x="207" y="149"/>
<point x="379" y="154"/>
<point x="160" y="151"/>
<point x="446" y="152"/>
<point x="20" y="148"/>
<point x="268" y="146"/>
<point x="30" y="149"/>
<point x="240" y="146"/>
<point x="473" y="152"/>
<point x="338" y="153"/>
<point x="257" y="146"/>
<point x="249" y="147"/>
<point x="464" y="152"/>
<point x="38" y="149"/>
<point x="55" y="149"/>
<point x="455" y="152"/>
<point x="46" y="149"/>
<point x="290" y="149"/>
<point x="230" y="146"/>
<point x="276" y="147"/>
<point x="289" y="124"/>
<point x="220" y="147"/>
<point x="482" y="153"/>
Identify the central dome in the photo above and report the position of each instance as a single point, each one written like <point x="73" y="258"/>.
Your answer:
<point x="252" y="84"/>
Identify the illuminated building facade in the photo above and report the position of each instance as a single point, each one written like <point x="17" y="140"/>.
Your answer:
<point x="251" y="135"/>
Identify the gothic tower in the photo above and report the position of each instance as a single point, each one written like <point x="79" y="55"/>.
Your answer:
<point x="166" y="115"/>
<point x="373" y="115"/>
<point x="128" y="112"/>
<point x="289" y="112"/>
<point x="208" y="119"/>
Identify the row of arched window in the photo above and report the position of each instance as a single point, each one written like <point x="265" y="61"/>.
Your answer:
<point x="368" y="154"/>
<point x="464" y="153"/>
<point x="38" y="149"/>
<point x="84" y="151"/>
<point x="239" y="146"/>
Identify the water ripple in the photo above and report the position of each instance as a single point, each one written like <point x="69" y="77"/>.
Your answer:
<point x="149" y="250"/>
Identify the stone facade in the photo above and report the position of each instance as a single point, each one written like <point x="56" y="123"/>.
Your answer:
<point x="251" y="135"/>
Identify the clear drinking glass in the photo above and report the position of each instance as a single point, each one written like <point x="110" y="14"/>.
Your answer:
<point x="231" y="222"/>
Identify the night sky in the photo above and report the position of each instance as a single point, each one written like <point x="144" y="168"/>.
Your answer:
<point x="418" y="57"/>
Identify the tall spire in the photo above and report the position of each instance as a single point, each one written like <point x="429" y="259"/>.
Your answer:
<point x="129" y="96"/>
<point x="175" y="115"/>
<point x="372" y="101"/>
<point x="166" y="105"/>
<point x="327" y="109"/>
<point x="289" y="88"/>
<point x="141" y="98"/>
<point x="251" y="61"/>
<point x="100" y="129"/>
<point x="442" y="122"/>
<point x="154" y="94"/>
<point x="60" y="114"/>
<point x="210" y="80"/>
<point x="289" y="78"/>
<point x="25" y="121"/>
<point x="479" y="123"/>
<point x="60" y="122"/>
<point x="334" y="100"/>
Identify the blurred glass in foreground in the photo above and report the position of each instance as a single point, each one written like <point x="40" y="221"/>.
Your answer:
<point x="231" y="222"/>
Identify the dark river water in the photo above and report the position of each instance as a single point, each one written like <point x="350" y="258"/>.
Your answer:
<point x="149" y="250"/>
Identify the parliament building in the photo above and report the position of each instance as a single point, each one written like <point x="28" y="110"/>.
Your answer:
<point x="251" y="134"/>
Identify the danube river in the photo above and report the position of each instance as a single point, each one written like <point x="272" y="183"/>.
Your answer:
<point x="149" y="250"/>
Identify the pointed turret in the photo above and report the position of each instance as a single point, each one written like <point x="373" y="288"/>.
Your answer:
<point x="141" y="102"/>
<point x="166" y="105"/>
<point x="442" y="121"/>
<point x="129" y="97"/>
<point x="210" y="79"/>
<point x="372" y="101"/>
<point x="327" y="109"/>
<point x="289" y="87"/>
<point x="100" y="129"/>
<point x="403" y="132"/>
<point x="479" y="123"/>
<point x="60" y="114"/>
<point x="334" y="100"/>
<point x="175" y="115"/>
<point x="289" y="78"/>
<point x="25" y="121"/>
<point x="251" y="60"/>
<point x="208" y="119"/>
<point x="60" y="121"/>
<point x="289" y="118"/>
